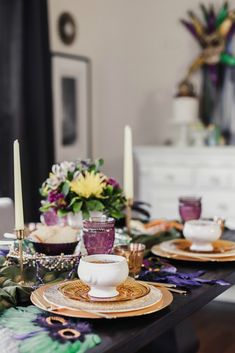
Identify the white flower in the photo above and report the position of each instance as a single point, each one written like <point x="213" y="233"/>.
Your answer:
<point x="76" y="175"/>
<point x="67" y="167"/>
<point x="53" y="181"/>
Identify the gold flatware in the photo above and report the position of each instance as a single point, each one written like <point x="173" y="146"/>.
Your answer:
<point x="160" y="284"/>
<point x="48" y="307"/>
<point x="171" y="287"/>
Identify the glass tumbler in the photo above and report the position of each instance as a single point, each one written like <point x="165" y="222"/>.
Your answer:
<point x="134" y="253"/>
<point x="99" y="235"/>
<point x="190" y="208"/>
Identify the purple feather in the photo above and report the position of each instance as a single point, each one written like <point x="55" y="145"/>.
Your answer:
<point x="157" y="271"/>
<point x="189" y="26"/>
<point x="211" y="20"/>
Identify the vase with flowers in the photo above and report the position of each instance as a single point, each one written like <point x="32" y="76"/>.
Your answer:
<point x="80" y="189"/>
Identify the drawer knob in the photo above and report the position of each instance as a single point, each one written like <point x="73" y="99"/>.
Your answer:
<point x="170" y="177"/>
<point x="223" y="207"/>
<point x="214" y="180"/>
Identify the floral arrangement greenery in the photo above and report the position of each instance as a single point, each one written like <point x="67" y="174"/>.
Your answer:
<point x="80" y="186"/>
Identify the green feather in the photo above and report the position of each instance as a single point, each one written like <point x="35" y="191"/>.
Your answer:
<point x="19" y="320"/>
<point x="223" y="13"/>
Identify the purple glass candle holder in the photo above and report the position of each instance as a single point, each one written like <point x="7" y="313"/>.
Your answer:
<point x="190" y="208"/>
<point x="98" y="235"/>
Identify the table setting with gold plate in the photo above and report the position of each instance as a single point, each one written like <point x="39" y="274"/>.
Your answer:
<point x="103" y="291"/>
<point x="201" y="244"/>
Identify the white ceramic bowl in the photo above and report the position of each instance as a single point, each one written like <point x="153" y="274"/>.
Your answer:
<point x="202" y="234"/>
<point x="103" y="278"/>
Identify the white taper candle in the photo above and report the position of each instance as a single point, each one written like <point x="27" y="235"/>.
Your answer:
<point x="19" y="214"/>
<point x="128" y="164"/>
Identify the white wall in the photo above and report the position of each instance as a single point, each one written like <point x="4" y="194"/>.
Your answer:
<point x="139" y="52"/>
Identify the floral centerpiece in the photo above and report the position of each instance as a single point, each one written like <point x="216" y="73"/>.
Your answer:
<point x="81" y="187"/>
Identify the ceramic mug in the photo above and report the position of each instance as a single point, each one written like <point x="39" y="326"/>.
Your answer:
<point x="103" y="273"/>
<point x="202" y="233"/>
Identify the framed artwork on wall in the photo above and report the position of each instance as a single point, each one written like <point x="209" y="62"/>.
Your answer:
<point x="71" y="76"/>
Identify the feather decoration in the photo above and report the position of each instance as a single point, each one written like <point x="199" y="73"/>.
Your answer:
<point x="199" y="28"/>
<point x="211" y="22"/>
<point x="222" y="14"/>
<point x="204" y="12"/>
<point x="23" y="329"/>
<point x="225" y="27"/>
<point x="190" y="27"/>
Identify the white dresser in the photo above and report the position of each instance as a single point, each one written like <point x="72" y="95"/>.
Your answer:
<point x="165" y="173"/>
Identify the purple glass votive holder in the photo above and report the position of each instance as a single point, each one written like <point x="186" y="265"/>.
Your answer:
<point x="190" y="208"/>
<point x="99" y="235"/>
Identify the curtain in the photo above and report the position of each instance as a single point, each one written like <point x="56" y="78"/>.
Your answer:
<point x="25" y="98"/>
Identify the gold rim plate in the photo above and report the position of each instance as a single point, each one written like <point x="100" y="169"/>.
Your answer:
<point x="39" y="301"/>
<point x="156" y="250"/>
<point x="222" y="248"/>
<point x="129" y="290"/>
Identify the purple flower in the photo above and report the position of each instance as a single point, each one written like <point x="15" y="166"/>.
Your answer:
<point x="114" y="183"/>
<point x="54" y="196"/>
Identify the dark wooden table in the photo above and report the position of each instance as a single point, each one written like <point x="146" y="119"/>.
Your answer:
<point x="131" y="334"/>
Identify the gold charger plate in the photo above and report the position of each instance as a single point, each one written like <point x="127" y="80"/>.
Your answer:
<point x="53" y="296"/>
<point x="222" y="248"/>
<point x="37" y="299"/>
<point x="156" y="250"/>
<point x="129" y="290"/>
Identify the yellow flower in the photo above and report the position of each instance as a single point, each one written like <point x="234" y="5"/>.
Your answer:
<point x="90" y="184"/>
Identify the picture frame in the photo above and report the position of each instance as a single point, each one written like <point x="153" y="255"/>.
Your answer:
<point x="71" y="87"/>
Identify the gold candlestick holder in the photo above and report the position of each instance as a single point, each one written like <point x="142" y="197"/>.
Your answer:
<point x="20" y="237"/>
<point x="129" y="214"/>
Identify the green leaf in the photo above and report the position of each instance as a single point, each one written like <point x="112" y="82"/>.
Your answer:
<point x="94" y="205"/>
<point x="109" y="189"/>
<point x="61" y="212"/>
<point x="99" y="163"/>
<point x="85" y="213"/>
<point x="65" y="188"/>
<point x="74" y="199"/>
<point x="77" y="206"/>
<point x="46" y="207"/>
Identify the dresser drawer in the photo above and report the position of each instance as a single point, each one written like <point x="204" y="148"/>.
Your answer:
<point x="172" y="176"/>
<point x="213" y="178"/>
<point x="219" y="207"/>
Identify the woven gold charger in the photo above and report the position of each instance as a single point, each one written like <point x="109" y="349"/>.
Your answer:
<point x="37" y="298"/>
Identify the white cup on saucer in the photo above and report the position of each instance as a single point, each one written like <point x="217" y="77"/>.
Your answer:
<point x="103" y="273"/>
<point x="201" y="233"/>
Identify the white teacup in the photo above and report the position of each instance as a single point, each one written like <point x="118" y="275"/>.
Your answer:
<point x="202" y="233"/>
<point x="103" y="273"/>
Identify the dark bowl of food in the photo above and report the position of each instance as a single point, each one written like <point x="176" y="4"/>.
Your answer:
<point x="51" y="249"/>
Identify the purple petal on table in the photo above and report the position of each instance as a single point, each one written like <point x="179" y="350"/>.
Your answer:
<point x="182" y="281"/>
<point x="168" y="269"/>
<point x="191" y="275"/>
<point x="221" y="282"/>
<point x="147" y="263"/>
